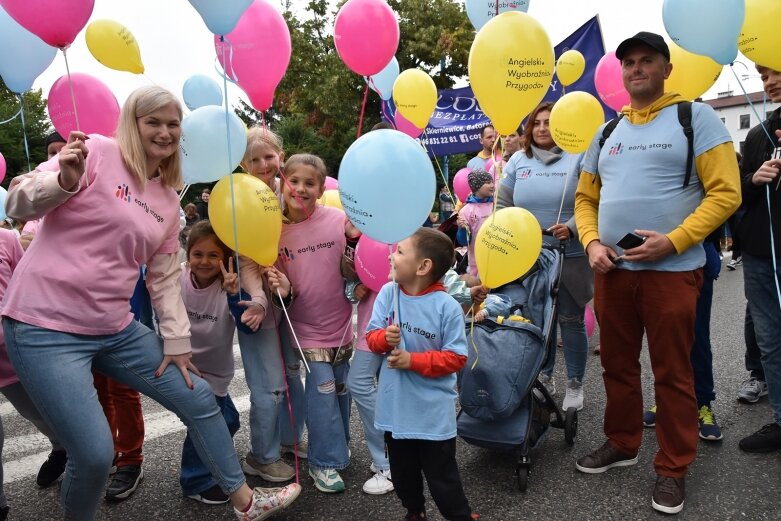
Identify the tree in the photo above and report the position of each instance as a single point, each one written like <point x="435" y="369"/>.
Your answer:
<point x="12" y="140"/>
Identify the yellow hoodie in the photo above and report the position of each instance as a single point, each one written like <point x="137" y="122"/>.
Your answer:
<point x="717" y="169"/>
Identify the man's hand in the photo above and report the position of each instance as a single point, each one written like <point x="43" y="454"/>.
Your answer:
<point x="393" y="335"/>
<point x="399" y="359"/>
<point x="656" y="247"/>
<point x="601" y="258"/>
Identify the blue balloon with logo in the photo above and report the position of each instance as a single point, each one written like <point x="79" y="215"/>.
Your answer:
<point x="25" y="56"/>
<point x="200" y="90"/>
<point x="221" y="16"/>
<point x="204" y="144"/>
<point x="481" y="11"/>
<point x="387" y="185"/>
<point x="382" y="82"/>
<point x="715" y="32"/>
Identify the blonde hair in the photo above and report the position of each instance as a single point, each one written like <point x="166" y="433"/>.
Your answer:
<point x="307" y="160"/>
<point x="264" y="136"/>
<point x="142" y="102"/>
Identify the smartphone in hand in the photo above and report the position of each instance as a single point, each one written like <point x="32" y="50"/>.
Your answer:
<point x="630" y="240"/>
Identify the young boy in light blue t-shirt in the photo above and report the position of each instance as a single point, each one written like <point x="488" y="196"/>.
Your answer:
<point x="426" y="344"/>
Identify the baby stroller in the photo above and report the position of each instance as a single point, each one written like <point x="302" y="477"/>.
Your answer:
<point x="503" y="405"/>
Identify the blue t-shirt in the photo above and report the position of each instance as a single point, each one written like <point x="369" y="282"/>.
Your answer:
<point x="410" y="405"/>
<point x="641" y="168"/>
<point x="539" y="188"/>
<point x="477" y="163"/>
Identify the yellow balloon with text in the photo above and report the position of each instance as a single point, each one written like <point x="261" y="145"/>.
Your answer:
<point x="331" y="198"/>
<point x="415" y="96"/>
<point x="692" y="74"/>
<point x="570" y="67"/>
<point x="258" y="217"/>
<point x="507" y="246"/>
<point x="510" y="68"/>
<point x="760" y="38"/>
<point x="574" y="120"/>
<point x="113" y="45"/>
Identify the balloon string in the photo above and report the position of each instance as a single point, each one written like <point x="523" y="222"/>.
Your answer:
<point x="230" y="170"/>
<point x="389" y="119"/>
<point x="439" y="168"/>
<point x="292" y="331"/>
<point x="363" y="109"/>
<point x="150" y="80"/>
<point x="564" y="190"/>
<point x="24" y="132"/>
<point x="370" y="82"/>
<point x="396" y="290"/>
<point x="15" y="115"/>
<point x="70" y="86"/>
<point x="184" y="191"/>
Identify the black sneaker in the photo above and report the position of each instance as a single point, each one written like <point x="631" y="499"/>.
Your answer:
<point x="766" y="439"/>
<point x="669" y="494"/>
<point x="211" y="496"/>
<point x="124" y="482"/>
<point x="4" y="513"/>
<point x="52" y="468"/>
<point x="604" y="458"/>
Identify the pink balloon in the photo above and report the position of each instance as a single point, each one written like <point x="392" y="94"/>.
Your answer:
<point x="53" y="21"/>
<point x="404" y="125"/>
<point x="609" y="82"/>
<point x="96" y="106"/>
<point x="371" y="262"/>
<point x="2" y="168"/>
<point x="590" y="320"/>
<point x="366" y="35"/>
<point x="258" y="52"/>
<point x="331" y="183"/>
<point x="461" y="184"/>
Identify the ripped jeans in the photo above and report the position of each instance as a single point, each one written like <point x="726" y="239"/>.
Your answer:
<point x="268" y="414"/>
<point x="573" y="332"/>
<point x="328" y="415"/>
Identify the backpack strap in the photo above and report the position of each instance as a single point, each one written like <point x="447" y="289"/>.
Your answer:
<point x="685" y="119"/>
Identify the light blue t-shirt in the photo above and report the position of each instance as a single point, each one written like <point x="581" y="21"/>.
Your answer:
<point x="410" y="405"/>
<point x="538" y="187"/>
<point x="641" y="168"/>
<point x="477" y="163"/>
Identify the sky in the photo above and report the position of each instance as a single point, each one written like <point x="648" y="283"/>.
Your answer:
<point x="175" y="43"/>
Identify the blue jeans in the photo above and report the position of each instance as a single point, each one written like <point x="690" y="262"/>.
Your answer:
<point x="362" y="383"/>
<point x="573" y="332"/>
<point x="292" y="430"/>
<point x="327" y="415"/>
<point x="56" y="370"/>
<point x="760" y="287"/>
<point x="264" y="370"/>
<point x="194" y="476"/>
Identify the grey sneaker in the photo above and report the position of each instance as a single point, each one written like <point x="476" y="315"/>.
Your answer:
<point x="751" y="390"/>
<point x="276" y="472"/>
<point x="548" y="382"/>
<point x="574" y="395"/>
<point x="604" y="458"/>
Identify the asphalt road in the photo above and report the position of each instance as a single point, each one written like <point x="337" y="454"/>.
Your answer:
<point x="723" y="483"/>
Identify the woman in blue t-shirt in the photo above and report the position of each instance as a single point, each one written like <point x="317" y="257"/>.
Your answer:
<point x="542" y="179"/>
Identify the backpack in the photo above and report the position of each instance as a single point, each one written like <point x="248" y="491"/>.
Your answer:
<point x="684" y="118"/>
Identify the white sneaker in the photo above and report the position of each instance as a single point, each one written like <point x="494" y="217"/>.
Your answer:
<point x="548" y="382"/>
<point x="574" y="395"/>
<point x="327" y="480"/>
<point x="379" y="484"/>
<point x="267" y="501"/>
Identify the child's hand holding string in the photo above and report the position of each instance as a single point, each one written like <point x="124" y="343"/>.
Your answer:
<point x="399" y="359"/>
<point x="277" y="281"/>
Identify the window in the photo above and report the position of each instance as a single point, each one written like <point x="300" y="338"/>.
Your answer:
<point x="745" y="121"/>
<point x="742" y="148"/>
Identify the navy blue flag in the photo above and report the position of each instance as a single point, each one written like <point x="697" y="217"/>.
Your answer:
<point x="455" y="126"/>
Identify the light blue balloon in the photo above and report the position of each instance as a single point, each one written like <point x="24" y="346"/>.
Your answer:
<point x="200" y="90"/>
<point x="706" y="27"/>
<point x="221" y="16"/>
<point x="382" y="82"/>
<point x="25" y="56"/>
<point x="3" y="195"/>
<point x="481" y="11"/>
<point x="387" y="185"/>
<point x="204" y="144"/>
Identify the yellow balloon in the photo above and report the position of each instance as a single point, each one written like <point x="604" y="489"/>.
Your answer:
<point x="574" y="120"/>
<point x="415" y="96"/>
<point x="760" y="38"/>
<point x="258" y="217"/>
<point x="570" y="67"/>
<point x="113" y="45"/>
<point x="507" y="246"/>
<point x="331" y="198"/>
<point x="510" y="68"/>
<point x="692" y="74"/>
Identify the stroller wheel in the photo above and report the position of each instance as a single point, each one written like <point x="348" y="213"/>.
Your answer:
<point x="570" y="425"/>
<point x="522" y="475"/>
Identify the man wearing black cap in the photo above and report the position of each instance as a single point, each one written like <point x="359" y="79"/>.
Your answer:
<point x="642" y="220"/>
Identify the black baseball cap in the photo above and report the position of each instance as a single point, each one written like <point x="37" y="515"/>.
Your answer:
<point x="54" y="137"/>
<point x="652" y="40"/>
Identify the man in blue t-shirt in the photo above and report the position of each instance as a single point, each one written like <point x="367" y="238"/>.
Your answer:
<point x="487" y="140"/>
<point x="634" y="182"/>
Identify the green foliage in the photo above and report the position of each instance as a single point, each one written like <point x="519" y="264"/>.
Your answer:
<point x="12" y="136"/>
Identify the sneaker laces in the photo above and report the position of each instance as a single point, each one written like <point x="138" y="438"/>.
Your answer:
<point x="706" y="415"/>
<point x="751" y="385"/>
<point x="767" y="429"/>
<point x="667" y="485"/>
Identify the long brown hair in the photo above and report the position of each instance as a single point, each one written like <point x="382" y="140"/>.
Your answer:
<point x="528" y="140"/>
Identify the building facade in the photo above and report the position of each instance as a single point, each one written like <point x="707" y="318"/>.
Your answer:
<point x="738" y="116"/>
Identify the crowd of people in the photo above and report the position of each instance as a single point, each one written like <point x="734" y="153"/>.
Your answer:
<point x="129" y="317"/>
